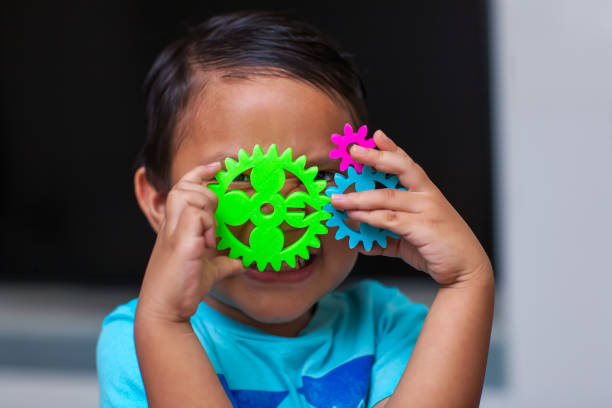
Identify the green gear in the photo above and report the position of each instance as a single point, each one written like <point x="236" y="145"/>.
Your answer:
<point x="268" y="178"/>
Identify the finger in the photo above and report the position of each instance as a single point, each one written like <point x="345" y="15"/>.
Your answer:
<point x="178" y="200"/>
<point x="193" y="223"/>
<point x="198" y="188"/>
<point x="395" y="221"/>
<point x="227" y="266"/>
<point x="410" y="174"/>
<point x="386" y="198"/>
<point x="201" y="174"/>
<point x="383" y="142"/>
<point x="198" y="200"/>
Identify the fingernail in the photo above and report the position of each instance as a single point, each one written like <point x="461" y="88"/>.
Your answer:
<point x="383" y="134"/>
<point x="338" y="197"/>
<point x="358" y="149"/>
<point x="213" y="164"/>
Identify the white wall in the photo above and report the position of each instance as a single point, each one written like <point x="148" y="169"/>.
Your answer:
<point x="552" y="96"/>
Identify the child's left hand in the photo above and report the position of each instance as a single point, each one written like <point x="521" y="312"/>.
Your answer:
<point x="433" y="236"/>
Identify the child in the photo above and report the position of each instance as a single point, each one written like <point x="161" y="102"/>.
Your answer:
<point x="207" y="332"/>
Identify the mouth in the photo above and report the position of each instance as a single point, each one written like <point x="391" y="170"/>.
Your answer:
<point x="303" y="269"/>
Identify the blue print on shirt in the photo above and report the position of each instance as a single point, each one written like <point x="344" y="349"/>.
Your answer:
<point x="345" y="386"/>
<point x="253" y="398"/>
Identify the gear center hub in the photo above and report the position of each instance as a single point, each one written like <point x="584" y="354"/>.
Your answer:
<point x="263" y="217"/>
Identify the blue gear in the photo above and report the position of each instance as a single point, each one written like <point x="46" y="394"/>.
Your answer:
<point x="364" y="181"/>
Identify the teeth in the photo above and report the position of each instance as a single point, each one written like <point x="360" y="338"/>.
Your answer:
<point x="300" y="262"/>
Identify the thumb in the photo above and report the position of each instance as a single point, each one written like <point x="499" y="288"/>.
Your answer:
<point x="218" y="268"/>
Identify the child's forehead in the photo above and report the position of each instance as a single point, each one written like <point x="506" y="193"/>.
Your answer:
<point x="313" y="158"/>
<point x="264" y="111"/>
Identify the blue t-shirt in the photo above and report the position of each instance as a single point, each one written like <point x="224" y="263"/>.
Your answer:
<point x="350" y="355"/>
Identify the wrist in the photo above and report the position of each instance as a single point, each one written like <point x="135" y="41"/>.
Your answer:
<point x="153" y="314"/>
<point x="480" y="276"/>
<point x="151" y="329"/>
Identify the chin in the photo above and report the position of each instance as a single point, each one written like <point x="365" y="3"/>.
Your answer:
<point x="276" y="313"/>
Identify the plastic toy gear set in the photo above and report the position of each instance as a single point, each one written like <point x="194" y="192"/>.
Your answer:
<point x="266" y="242"/>
<point x="363" y="178"/>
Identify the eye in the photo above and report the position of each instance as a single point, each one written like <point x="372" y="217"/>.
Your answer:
<point x="325" y="175"/>
<point x="242" y="178"/>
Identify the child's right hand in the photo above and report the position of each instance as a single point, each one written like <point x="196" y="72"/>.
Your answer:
<point x="185" y="263"/>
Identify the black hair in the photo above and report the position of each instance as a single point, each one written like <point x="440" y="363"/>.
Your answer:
<point x="243" y="44"/>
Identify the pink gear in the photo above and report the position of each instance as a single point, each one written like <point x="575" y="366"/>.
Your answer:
<point x="343" y="142"/>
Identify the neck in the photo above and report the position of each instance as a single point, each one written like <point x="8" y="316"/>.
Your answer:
<point x="283" y="329"/>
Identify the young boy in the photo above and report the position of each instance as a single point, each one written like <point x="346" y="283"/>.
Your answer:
<point x="205" y="331"/>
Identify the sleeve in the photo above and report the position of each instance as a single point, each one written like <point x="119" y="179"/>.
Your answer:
<point x="398" y="324"/>
<point x="118" y="371"/>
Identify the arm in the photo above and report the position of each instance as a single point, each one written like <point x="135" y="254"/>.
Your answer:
<point x="447" y="365"/>
<point x="175" y="368"/>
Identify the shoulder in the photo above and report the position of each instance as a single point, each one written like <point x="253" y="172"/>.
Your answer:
<point x="117" y="365"/>
<point x="118" y="328"/>
<point x="374" y="294"/>
<point x="117" y="336"/>
<point x="387" y="305"/>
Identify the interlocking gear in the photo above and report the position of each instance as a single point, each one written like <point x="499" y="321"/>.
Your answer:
<point x="343" y="143"/>
<point x="267" y="240"/>
<point x="367" y="233"/>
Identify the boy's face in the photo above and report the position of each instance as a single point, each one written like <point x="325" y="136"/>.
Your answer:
<point x="233" y="114"/>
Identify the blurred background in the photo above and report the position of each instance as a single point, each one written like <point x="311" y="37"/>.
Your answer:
<point x="506" y="103"/>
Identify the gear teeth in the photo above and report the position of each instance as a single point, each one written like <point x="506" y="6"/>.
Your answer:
<point x="303" y="252"/>
<point x="230" y="164"/>
<point x="340" y="179"/>
<point x="276" y="264"/>
<point x="326" y="216"/>
<point x="382" y="241"/>
<point x="332" y="222"/>
<point x="257" y="152"/>
<point x="247" y="259"/>
<point x="362" y="132"/>
<point x="243" y="155"/>
<point x="310" y="173"/>
<point x="319" y="186"/>
<point x="300" y="162"/>
<point x="261" y="265"/>
<point x="336" y="139"/>
<point x="222" y="174"/>
<point x="332" y="190"/>
<point x="341" y="234"/>
<point x="322" y="200"/>
<point x="348" y="130"/>
<point x="287" y="155"/>
<point x="291" y="261"/>
<point x="273" y="154"/>
<point x="315" y="243"/>
<point x="322" y="229"/>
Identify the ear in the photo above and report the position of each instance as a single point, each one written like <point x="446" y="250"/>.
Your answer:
<point x="151" y="202"/>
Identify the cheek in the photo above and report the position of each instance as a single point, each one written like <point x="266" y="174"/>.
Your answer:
<point x="337" y="253"/>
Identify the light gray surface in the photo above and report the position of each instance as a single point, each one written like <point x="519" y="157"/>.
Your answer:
<point x="553" y="156"/>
